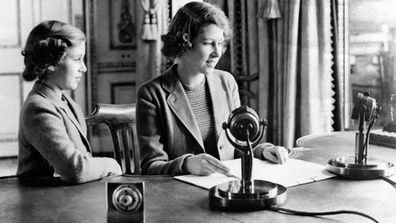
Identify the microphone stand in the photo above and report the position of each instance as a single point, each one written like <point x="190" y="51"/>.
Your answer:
<point x="246" y="194"/>
<point x="359" y="166"/>
<point x="360" y="147"/>
<point x="247" y="167"/>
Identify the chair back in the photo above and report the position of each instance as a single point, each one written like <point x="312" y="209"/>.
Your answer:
<point x="121" y="121"/>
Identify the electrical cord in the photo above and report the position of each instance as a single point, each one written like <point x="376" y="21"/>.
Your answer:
<point x="368" y="133"/>
<point x="372" y="121"/>
<point x="391" y="182"/>
<point x="314" y="214"/>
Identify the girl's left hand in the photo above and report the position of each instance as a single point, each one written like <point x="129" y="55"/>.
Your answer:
<point x="276" y="154"/>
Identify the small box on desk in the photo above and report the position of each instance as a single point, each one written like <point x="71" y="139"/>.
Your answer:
<point x="125" y="202"/>
<point x="383" y="138"/>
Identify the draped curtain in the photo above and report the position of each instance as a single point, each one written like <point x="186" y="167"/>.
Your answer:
<point x="339" y="14"/>
<point x="152" y="22"/>
<point x="248" y="54"/>
<point x="302" y="82"/>
<point x="294" y="60"/>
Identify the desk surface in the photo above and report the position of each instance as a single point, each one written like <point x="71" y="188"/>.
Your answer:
<point x="168" y="200"/>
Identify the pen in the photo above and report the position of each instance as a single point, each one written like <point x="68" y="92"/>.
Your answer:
<point x="231" y="175"/>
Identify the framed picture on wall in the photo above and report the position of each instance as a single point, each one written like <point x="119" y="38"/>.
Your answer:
<point x="123" y="93"/>
<point x="122" y="24"/>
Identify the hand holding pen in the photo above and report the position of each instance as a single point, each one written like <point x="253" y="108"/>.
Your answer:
<point x="204" y="164"/>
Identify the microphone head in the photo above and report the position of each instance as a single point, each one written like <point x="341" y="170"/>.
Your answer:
<point x="244" y="124"/>
<point x="369" y="104"/>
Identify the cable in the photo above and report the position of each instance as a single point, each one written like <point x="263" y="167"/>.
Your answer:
<point x="369" y="129"/>
<point x="307" y="213"/>
<point x="391" y="182"/>
<point x="372" y="121"/>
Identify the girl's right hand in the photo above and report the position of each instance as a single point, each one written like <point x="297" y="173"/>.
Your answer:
<point x="204" y="164"/>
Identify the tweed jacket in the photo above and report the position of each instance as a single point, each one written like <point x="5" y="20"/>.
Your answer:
<point x="166" y="128"/>
<point x="51" y="139"/>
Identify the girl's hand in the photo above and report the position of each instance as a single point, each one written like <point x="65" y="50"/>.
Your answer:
<point x="276" y="154"/>
<point x="204" y="164"/>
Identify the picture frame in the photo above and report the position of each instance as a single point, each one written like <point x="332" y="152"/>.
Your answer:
<point x="122" y="24"/>
<point x="123" y="92"/>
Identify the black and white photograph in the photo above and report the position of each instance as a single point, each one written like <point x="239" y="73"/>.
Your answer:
<point x="195" y="111"/>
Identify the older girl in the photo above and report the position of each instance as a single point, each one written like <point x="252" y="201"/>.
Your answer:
<point x="180" y="113"/>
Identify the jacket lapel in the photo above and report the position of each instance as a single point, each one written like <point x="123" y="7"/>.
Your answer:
<point x="72" y="114"/>
<point x="57" y="102"/>
<point x="179" y="104"/>
<point x="219" y="103"/>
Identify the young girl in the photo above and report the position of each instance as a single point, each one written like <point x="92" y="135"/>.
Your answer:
<point x="180" y="113"/>
<point x="52" y="129"/>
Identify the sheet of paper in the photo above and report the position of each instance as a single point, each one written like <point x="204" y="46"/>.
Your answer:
<point x="292" y="173"/>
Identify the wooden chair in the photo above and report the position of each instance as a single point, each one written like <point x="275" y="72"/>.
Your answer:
<point x="121" y="121"/>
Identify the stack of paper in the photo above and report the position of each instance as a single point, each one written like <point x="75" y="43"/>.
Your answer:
<point x="292" y="173"/>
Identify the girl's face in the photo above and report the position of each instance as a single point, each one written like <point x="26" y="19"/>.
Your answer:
<point x="207" y="49"/>
<point x="68" y="73"/>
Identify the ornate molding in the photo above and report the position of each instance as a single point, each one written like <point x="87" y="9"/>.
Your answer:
<point x="116" y="67"/>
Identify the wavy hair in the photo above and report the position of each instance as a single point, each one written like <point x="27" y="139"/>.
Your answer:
<point x="46" y="46"/>
<point x="189" y="20"/>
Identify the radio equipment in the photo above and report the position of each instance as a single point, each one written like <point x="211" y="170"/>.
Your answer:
<point x="125" y="202"/>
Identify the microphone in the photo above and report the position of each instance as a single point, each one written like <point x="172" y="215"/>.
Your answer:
<point x="244" y="130"/>
<point x="360" y="166"/>
<point x="366" y="104"/>
<point x="244" y="125"/>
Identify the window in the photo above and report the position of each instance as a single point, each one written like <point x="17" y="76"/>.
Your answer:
<point x="372" y="51"/>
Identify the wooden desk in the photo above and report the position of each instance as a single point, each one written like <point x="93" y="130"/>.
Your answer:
<point x="168" y="200"/>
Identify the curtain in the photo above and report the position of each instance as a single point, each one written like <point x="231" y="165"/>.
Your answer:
<point x="152" y="22"/>
<point x="283" y="62"/>
<point x="339" y="12"/>
<point x="246" y="51"/>
<point x="301" y="79"/>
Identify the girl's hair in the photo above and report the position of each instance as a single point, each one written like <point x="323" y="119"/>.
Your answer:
<point x="46" y="46"/>
<point x="190" y="19"/>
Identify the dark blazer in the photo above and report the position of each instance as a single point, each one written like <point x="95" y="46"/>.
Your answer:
<point x="51" y="139"/>
<point x="166" y="127"/>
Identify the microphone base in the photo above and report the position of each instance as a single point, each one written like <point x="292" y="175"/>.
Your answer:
<point x="372" y="169"/>
<point x="231" y="196"/>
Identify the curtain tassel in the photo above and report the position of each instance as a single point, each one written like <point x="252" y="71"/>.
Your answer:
<point x="146" y="32"/>
<point x="150" y="30"/>
<point x="154" y="25"/>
